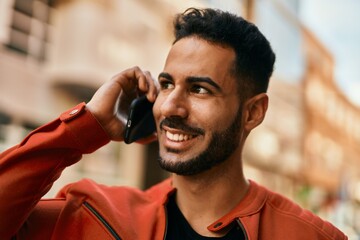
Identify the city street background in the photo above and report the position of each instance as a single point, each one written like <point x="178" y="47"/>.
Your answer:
<point x="56" y="53"/>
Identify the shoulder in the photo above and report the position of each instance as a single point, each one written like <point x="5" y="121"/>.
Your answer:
<point x="283" y="212"/>
<point x="88" y="189"/>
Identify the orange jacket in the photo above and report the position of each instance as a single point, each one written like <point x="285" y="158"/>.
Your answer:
<point x="86" y="210"/>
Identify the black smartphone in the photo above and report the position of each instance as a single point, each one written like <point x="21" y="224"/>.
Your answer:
<point x="140" y="121"/>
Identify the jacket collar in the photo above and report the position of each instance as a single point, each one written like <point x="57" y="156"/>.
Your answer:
<point x="251" y="204"/>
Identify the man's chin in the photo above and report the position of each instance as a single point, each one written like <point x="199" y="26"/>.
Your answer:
<point x="176" y="156"/>
<point x="182" y="167"/>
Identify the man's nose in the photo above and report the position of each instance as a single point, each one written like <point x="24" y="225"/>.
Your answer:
<point x="175" y="105"/>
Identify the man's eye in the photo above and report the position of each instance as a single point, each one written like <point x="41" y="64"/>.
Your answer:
<point x="166" y="85"/>
<point x="199" y="90"/>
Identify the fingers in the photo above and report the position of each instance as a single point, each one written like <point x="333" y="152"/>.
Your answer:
<point x="110" y="104"/>
<point x="134" y="81"/>
<point x="152" y="90"/>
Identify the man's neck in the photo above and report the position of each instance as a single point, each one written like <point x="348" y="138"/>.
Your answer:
<point x="206" y="197"/>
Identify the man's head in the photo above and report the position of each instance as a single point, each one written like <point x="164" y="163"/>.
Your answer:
<point x="202" y="122"/>
<point x="254" y="57"/>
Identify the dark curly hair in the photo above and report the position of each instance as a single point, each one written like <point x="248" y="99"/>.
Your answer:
<point x="254" y="56"/>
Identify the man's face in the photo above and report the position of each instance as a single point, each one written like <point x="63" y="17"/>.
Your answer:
<point x="197" y="111"/>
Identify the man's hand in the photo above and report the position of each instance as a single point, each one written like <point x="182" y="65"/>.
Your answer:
<point x="110" y="104"/>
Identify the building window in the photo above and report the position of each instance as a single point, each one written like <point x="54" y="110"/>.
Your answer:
<point x="4" y="121"/>
<point x="29" y="27"/>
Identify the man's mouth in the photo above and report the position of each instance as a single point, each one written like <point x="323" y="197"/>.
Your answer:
<point x="179" y="125"/>
<point x="178" y="137"/>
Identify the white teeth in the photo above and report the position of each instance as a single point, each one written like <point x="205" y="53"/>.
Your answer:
<point x="170" y="135"/>
<point x="178" y="137"/>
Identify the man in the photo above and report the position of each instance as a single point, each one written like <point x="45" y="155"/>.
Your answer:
<point x="211" y="94"/>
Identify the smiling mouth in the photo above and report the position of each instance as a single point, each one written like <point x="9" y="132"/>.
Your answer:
<point x="178" y="137"/>
<point x="177" y="131"/>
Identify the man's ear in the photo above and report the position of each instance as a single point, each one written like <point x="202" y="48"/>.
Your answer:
<point x="254" y="111"/>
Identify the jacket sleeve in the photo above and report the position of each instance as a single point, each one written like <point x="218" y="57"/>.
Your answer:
<point x="28" y="170"/>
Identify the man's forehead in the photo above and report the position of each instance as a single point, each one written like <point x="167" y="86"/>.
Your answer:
<point x="198" y="44"/>
<point x="193" y="56"/>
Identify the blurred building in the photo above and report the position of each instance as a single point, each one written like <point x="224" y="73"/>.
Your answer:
<point x="56" y="53"/>
<point x="307" y="146"/>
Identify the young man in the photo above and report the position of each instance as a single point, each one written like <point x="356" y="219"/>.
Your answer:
<point x="211" y="94"/>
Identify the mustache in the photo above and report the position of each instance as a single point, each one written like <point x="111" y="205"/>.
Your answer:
<point x="178" y="123"/>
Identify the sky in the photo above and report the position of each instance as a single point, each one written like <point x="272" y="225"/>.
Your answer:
<point x="337" y="24"/>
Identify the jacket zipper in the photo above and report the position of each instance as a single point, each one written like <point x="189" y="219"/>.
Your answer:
<point x="102" y="220"/>
<point x="242" y="228"/>
<point x="166" y="222"/>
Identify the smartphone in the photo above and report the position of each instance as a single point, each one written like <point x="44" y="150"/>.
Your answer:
<point x="140" y="123"/>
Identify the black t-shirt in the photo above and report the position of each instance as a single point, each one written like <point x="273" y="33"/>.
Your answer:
<point x="179" y="229"/>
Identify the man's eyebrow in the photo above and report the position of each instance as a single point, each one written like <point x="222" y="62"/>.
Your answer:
<point x="192" y="79"/>
<point x="208" y="80"/>
<point x="165" y="75"/>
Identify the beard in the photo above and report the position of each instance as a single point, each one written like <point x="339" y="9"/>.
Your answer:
<point x="222" y="145"/>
